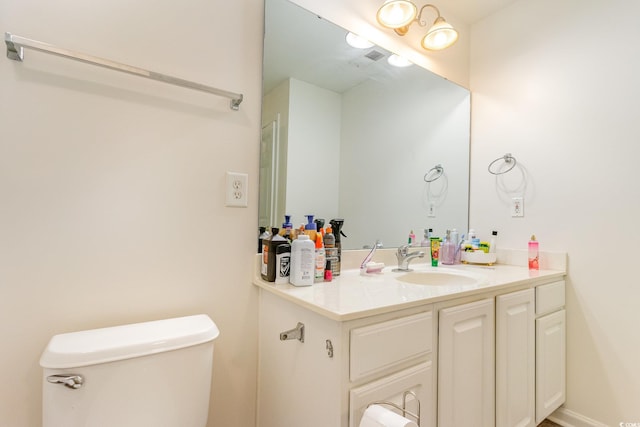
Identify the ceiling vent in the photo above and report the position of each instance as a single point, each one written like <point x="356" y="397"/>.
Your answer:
<point x="374" y="55"/>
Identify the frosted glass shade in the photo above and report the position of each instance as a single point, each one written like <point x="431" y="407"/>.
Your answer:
<point x="396" y="13"/>
<point x="440" y="36"/>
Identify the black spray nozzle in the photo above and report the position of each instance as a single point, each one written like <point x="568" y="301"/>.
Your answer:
<point x="319" y="223"/>
<point x="336" y="225"/>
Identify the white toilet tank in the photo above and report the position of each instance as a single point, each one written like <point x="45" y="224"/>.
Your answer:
<point x="145" y="374"/>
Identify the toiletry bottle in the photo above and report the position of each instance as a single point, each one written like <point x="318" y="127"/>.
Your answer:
<point x="283" y="263"/>
<point x="426" y="242"/>
<point x="275" y="241"/>
<point x="534" y="263"/>
<point x="310" y="228"/>
<point x="435" y="251"/>
<point x="264" y="259"/>
<point x="455" y="237"/>
<point x="336" y="225"/>
<point x="472" y="234"/>
<point x="287" y="228"/>
<point x="412" y="239"/>
<point x="264" y="234"/>
<point x="303" y="263"/>
<point x="493" y="242"/>
<point x="328" y="273"/>
<point x="319" y="225"/>
<point x="475" y="243"/>
<point x="448" y="250"/>
<point x="320" y="259"/>
<point x="330" y="250"/>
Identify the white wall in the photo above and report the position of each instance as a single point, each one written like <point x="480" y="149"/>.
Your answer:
<point x="556" y="84"/>
<point x="313" y="152"/>
<point x="112" y="186"/>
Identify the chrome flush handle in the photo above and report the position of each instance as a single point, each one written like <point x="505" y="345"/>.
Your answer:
<point x="71" y="381"/>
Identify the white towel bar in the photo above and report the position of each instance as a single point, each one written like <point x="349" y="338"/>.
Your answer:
<point x="15" y="45"/>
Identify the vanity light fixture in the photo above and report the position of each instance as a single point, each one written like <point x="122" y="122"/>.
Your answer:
<point x="358" y="42"/>
<point x="398" y="61"/>
<point x="400" y="14"/>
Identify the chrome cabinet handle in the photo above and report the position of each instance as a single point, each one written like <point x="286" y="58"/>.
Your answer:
<point x="71" y="381"/>
<point x="296" y="333"/>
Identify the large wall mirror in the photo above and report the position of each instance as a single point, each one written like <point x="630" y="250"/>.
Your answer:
<point x="347" y="135"/>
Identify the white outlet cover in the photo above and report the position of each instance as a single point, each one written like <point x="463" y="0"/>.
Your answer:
<point x="517" y="207"/>
<point x="236" y="189"/>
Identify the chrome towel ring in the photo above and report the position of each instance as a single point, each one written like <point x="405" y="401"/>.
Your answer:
<point x="433" y="173"/>
<point x="508" y="159"/>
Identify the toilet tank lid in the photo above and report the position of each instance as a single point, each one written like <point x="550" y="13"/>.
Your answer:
<point x="104" y="345"/>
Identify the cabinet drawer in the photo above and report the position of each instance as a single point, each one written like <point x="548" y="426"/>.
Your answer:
<point x="549" y="297"/>
<point x="377" y="347"/>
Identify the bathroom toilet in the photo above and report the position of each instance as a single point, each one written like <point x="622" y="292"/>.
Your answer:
<point x="145" y="374"/>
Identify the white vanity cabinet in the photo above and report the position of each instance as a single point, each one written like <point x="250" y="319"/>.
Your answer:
<point x="550" y="349"/>
<point x="341" y="367"/>
<point x="489" y="357"/>
<point x="530" y="355"/>
<point x="515" y="359"/>
<point x="466" y="365"/>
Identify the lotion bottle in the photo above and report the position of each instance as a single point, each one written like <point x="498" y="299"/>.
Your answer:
<point x="303" y="263"/>
<point x="493" y="242"/>
<point x="534" y="261"/>
<point x="412" y="239"/>
<point x="320" y="258"/>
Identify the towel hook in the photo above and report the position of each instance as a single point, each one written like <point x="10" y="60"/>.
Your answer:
<point x="508" y="159"/>
<point x="434" y="173"/>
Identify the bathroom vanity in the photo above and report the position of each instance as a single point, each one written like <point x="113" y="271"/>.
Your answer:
<point x="479" y="346"/>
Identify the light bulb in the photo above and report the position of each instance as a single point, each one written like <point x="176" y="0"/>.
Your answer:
<point x="396" y="13"/>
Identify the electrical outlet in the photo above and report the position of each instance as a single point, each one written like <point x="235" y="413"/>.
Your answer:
<point x="517" y="207"/>
<point x="237" y="189"/>
<point x="431" y="212"/>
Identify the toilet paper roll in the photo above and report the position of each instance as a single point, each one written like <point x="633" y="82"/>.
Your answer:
<point x="379" y="416"/>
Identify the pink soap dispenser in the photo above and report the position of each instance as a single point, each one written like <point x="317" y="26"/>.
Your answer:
<point x="534" y="263"/>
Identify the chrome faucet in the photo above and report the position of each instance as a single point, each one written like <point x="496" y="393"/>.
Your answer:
<point x="404" y="257"/>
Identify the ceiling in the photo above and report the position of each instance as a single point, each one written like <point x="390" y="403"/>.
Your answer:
<point x="299" y="44"/>
<point x="468" y="11"/>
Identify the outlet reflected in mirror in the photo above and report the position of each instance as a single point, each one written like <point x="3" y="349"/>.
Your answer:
<point x="346" y="135"/>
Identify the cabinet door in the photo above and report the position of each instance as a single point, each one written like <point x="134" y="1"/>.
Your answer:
<point x="550" y="363"/>
<point x="466" y="372"/>
<point x="515" y="359"/>
<point x="299" y="383"/>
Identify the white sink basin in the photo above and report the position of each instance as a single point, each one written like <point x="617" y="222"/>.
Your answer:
<point x="442" y="278"/>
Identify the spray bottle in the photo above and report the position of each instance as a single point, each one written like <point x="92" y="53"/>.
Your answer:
<point x="320" y="225"/>
<point x="330" y="250"/>
<point x="336" y="225"/>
